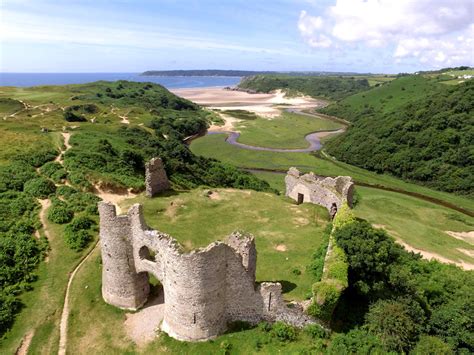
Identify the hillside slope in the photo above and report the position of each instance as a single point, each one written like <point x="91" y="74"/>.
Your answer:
<point x="383" y="99"/>
<point x="414" y="129"/>
<point x="333" y="88"/>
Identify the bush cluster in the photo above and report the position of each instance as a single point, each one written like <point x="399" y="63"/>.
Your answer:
<point x="77" y="233"/>
<point x="39" y="187"/>
<point x="402" y="302"/>
<point x="59" y="213"/>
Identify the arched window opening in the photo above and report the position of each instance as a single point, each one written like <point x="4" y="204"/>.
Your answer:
<point x="146" y="254"/>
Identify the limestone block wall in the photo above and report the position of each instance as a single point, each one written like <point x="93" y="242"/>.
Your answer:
<point x="155" y="177"/>
<point x="324" y="191"/>
<point x="204" y="289"/>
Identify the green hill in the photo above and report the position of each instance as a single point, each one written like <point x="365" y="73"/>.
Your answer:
<point x="333" y="88"/>
<point x="384" y="98"/>
<point x="412" y="128"/>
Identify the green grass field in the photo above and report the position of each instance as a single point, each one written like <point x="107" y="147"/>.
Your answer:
<point x="285" y="131"/>
<point x="195" y="220"/>
<point x="418" y="223"/>
<point x="214" y="146"/>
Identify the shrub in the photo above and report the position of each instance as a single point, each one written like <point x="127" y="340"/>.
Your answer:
<point x="40" y="187"/>
<point x="76" y="240"/>
<point x="344" y="216"/>
<point x="65" y="191"/>
<point x="393" y="323"/>
<point x="315" y="331"/>
<point x="225" y="347"/>
<point x="429" y="345"/>
<point x="81" y="222"/>
<point x="264" y="327"/>
<point x="60" y="214"/>
<point x="53" y="170"/>
<point x="15" y="175"/>
<point x="78" y="178"/>
<point x="38" y="157"/>
<point x="283" y="331"/>
<point x="326" y="294"/>
<point x="356" y="341"/>
<point x="76" y="233"/>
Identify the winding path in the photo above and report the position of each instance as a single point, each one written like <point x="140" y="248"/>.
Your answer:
<point x="65" y="313"/>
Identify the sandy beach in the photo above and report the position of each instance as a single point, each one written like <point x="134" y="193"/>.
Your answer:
<point x="268" y="105"/>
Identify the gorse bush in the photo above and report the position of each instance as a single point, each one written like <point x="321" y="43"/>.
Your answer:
<point x="54" y="171"/>
<point x="40" y="187"/>
<point x="77" y="233"/>
<point x="20" y="252"/>
<point x="283" y="331"/>
<point x="60" y="214"/>
<point x="14" y="175"/>
<point x="36" y="158"/>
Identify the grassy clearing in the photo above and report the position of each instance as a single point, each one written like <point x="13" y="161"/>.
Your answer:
<point x="420" y="224"/>
<point x="214" y="146"/>
<point x="285" y="131"/>
<point x="196" y="220"/>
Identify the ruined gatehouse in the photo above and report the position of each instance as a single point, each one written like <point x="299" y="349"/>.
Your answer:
<point x="204" y="290"/>
<point x="325" y="191"/>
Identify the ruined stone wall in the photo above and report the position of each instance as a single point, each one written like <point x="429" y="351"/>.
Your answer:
<point x="204" y="290"/>
<point x="155" y="177"/>
<point x="324" y="191"/>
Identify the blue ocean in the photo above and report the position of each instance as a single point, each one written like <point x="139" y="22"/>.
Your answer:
<point x="170" y="82"/>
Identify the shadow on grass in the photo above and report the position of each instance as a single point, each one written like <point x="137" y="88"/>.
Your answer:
<point x="286" y="286"/>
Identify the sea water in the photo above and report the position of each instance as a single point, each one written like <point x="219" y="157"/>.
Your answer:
<point x="170" y="82"/>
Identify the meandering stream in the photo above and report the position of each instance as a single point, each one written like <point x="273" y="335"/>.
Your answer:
<point x="313" y="138"/>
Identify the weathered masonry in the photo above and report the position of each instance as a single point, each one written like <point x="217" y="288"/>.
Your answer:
<point x="204" y="290"/>
<point x="325" y="191"/>
<point x="155" y="177"/>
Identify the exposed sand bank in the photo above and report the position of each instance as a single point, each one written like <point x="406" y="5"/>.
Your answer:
<point x="262" y="104"/>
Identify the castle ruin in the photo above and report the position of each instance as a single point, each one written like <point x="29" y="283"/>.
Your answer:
<point x="204" y="290"/>
<point x="155" y="177"/>
<point x="325" y="191"/>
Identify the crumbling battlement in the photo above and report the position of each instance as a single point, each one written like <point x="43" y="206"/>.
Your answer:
<point x="324" y="191"/>
<point x="155" y="177"/>
<point x="204" y="289"/>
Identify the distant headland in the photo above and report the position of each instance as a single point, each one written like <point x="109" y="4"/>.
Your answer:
<point x="204" y="72"/>
<point x="239" y="73"/>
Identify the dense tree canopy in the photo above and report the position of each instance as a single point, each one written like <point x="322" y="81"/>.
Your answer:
<point x="429" y="140"/>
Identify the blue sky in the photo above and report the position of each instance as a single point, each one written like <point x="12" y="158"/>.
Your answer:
<point x="332" y="35"/>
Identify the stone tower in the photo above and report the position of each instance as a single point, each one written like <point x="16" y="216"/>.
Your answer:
<point x="204" y="289"/>
<point x="155" y="177"/>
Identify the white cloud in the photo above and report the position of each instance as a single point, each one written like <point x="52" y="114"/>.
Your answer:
<point x="430" y="30"/>
<point x="28" y="27"/>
